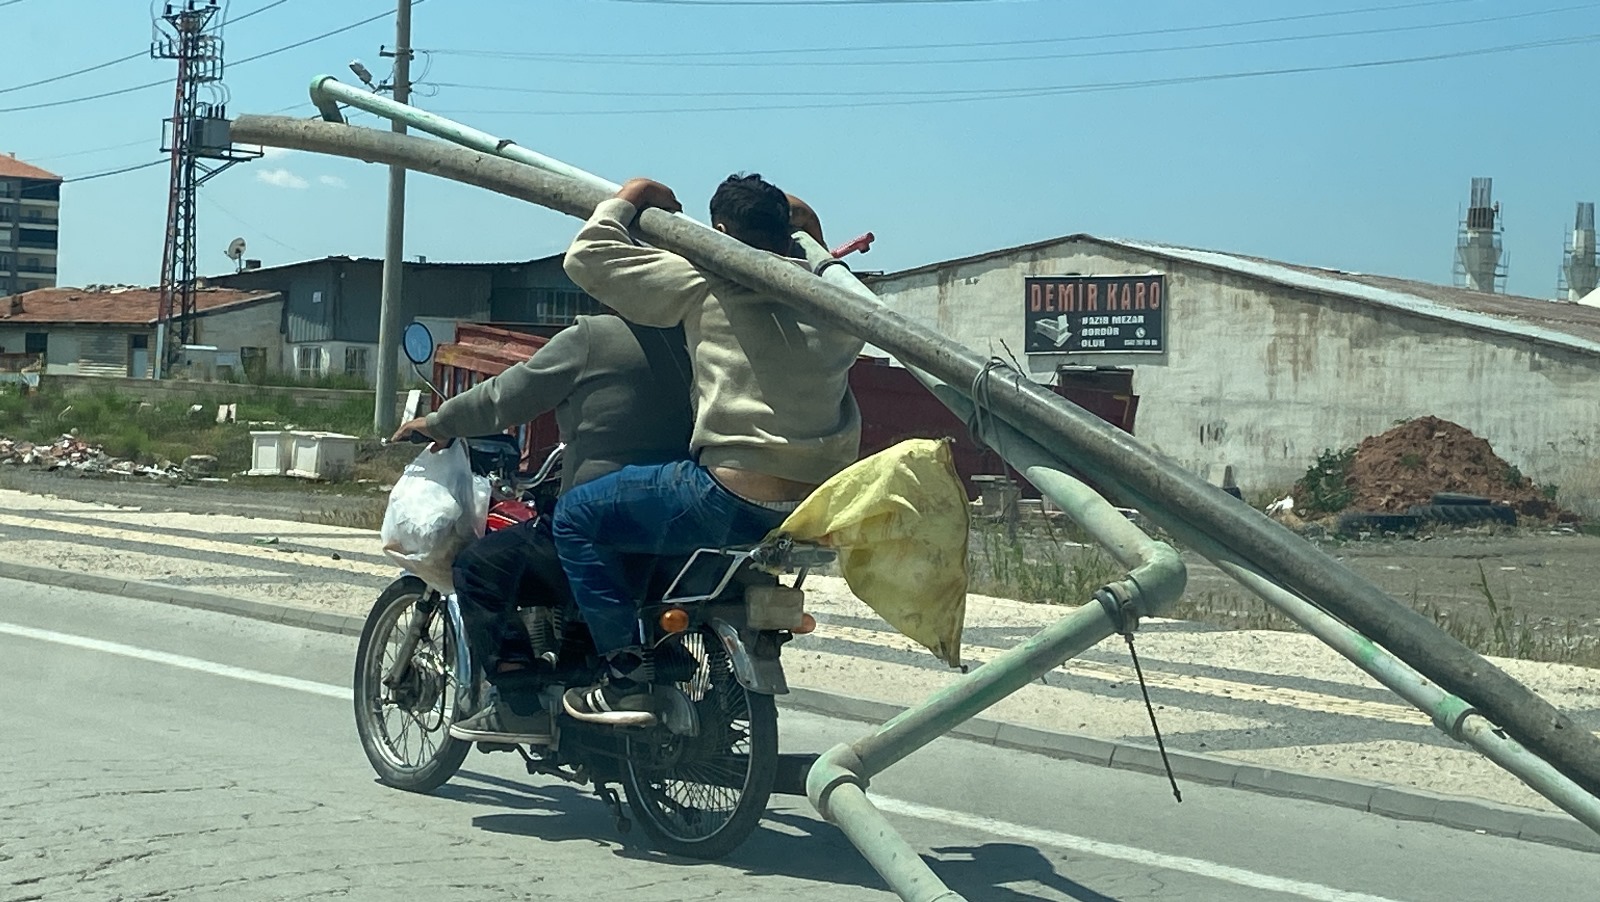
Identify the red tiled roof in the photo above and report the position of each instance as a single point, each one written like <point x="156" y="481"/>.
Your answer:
<point x="116" y="306"/>
<point x="13" y="168"/>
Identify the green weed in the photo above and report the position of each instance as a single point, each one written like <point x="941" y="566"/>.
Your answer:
<point x="171" y="429"/>
<point x="1325" y="488"/>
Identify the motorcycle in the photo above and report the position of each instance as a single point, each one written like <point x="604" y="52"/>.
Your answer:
<point x="714" y="622"/>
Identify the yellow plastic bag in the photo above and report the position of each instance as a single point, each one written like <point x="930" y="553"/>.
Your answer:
<point x="898" y="520"/>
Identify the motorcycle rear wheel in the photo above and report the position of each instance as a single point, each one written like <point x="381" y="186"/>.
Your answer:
<point x="403" y="728"/>
<point x="701" y="796"/>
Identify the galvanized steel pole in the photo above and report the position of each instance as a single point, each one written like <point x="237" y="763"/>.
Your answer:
<point x="1452" y="715"/>
<point x="1032" y="409"/>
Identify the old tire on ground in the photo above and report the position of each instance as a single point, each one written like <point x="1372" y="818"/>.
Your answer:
<point x="1467" y="513"/>
<point x="403" y="728"/>
<point x="1457" y="498"/>
<point x="701" y="796"/>
<point x="1379" y="522"/>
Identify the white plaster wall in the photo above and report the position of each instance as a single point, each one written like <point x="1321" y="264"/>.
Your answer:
<point x="1264" y="378"/>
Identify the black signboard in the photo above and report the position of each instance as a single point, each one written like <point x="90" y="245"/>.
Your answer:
<point x="1095" y="314"/>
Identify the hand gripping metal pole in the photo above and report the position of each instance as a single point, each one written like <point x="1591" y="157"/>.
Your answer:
<point x="1037" y="412"/>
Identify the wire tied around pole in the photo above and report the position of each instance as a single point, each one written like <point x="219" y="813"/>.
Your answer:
<point x="1127" y="622"/>
<point x="982" y="407"/>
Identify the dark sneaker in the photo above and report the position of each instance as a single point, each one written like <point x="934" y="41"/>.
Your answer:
<point x="498" y="723"/>
<point x="609" y="706"/>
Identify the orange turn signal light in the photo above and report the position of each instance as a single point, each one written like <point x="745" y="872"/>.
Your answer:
<point x="808" y="624"/>
<point x="674" y="620"/>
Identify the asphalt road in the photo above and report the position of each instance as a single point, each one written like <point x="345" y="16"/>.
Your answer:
<point x="161" y="753"/>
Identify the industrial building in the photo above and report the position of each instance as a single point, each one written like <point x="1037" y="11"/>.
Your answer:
<point x="331" y="306"/>
<point x="1260" y="365"/>
<point x="111" y="332"/>
<point x="30" y="223"/>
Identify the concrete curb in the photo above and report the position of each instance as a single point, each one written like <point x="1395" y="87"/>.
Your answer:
<point x="188" y="598"/>
<point x="1400" y="802"/>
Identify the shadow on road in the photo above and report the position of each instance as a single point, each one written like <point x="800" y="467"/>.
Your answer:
<point x="788" y="843"/>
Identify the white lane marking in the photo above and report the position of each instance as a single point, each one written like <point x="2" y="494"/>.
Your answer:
<point x="171" y="660"/>
<point x="1030" y="835"/>
<point x="1142" y="857"/>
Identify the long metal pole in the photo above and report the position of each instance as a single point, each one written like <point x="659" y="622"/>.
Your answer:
<point x="1451" y="714"/>
<point x="1035" y="411"/>
<point x="389" y="316"/>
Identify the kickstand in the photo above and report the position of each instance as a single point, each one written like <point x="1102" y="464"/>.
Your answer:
<point x="609" y="796"/>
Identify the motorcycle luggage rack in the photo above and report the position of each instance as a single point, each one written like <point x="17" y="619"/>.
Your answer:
<point x="780" y="555"/>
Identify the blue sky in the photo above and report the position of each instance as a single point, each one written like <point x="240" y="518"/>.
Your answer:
<point x="1363" y="169"/>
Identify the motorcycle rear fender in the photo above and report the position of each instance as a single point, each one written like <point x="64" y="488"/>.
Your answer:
<point x="756" y="670"/>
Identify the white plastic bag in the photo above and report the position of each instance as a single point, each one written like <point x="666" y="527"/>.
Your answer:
<point x="435" y="509"/>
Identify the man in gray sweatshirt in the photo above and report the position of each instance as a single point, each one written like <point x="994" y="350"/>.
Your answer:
<point x="774" y="416"/>
<point x="621" y="396"/>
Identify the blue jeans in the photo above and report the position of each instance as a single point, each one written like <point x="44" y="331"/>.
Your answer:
<point x="664" y="509"/>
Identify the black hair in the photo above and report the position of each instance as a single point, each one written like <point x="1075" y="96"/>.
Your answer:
<point x="754" y="211"/>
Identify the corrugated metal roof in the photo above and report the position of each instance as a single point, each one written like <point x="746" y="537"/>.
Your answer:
<point x="1563" y="324"/>
<point x="118" y="306"/>
<point x="13" y="168"/>
<point x="1558" y="323"/>
<point x="343" y="258"/>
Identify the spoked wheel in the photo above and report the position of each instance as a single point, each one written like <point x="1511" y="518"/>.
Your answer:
<point x="700" y="796"/>
<point x="403" y="727"/>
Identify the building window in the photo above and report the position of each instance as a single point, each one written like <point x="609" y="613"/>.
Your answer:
<point x="308" y="362"/>
<point x="30" y="286"/>
<point x="254" y="363"/>
<point x="6" y="189"/>
<point x="32" y="264"/>
<point x="35" y="342"/>
<point x="355" y="362"/>
<point x="553" y="307"/>
<point x="34" y="214"/>
<point x="139" y="342"/>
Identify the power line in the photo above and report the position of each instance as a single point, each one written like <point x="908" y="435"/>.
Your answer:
<point x="801" y="2"/>
<point x="142" y="54"/>
<point x="9" y="2"/>
<point x="254" y="12"/>
<point x="1061" y="90"/>
<point x="101" y="175"/>
<point x="239" y="220"/>
<point x="93" y="150"/>
<point x="327" y="34"/>
<point x="249" y="59"/>
<point x="65" y="75"/>
<point x="1154" y="32"/>
<point x="1119" y="51"/>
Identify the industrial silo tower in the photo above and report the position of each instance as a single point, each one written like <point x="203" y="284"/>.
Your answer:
<point x="1480" y="257"/>
<point x="1580" y="267"/>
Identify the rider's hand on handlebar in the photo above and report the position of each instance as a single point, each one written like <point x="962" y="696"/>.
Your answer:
<point x="416" y="432"/>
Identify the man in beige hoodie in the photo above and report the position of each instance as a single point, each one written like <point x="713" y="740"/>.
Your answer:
<point x="774" y="416"/>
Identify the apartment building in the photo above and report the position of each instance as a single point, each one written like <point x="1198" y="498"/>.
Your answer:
<point x="30" y="223"/>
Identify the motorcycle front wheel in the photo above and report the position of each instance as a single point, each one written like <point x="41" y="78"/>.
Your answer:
<point x="403" y="727"/>
<point x="701" y="796"/>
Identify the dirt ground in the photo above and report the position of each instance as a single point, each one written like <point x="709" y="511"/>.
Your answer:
<point x="1542" y="584"/>
<point x="275" y="498"/>
<point x="1543" y="580"/>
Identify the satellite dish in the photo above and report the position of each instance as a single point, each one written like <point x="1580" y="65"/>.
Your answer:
<point x="235" y="253"/>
